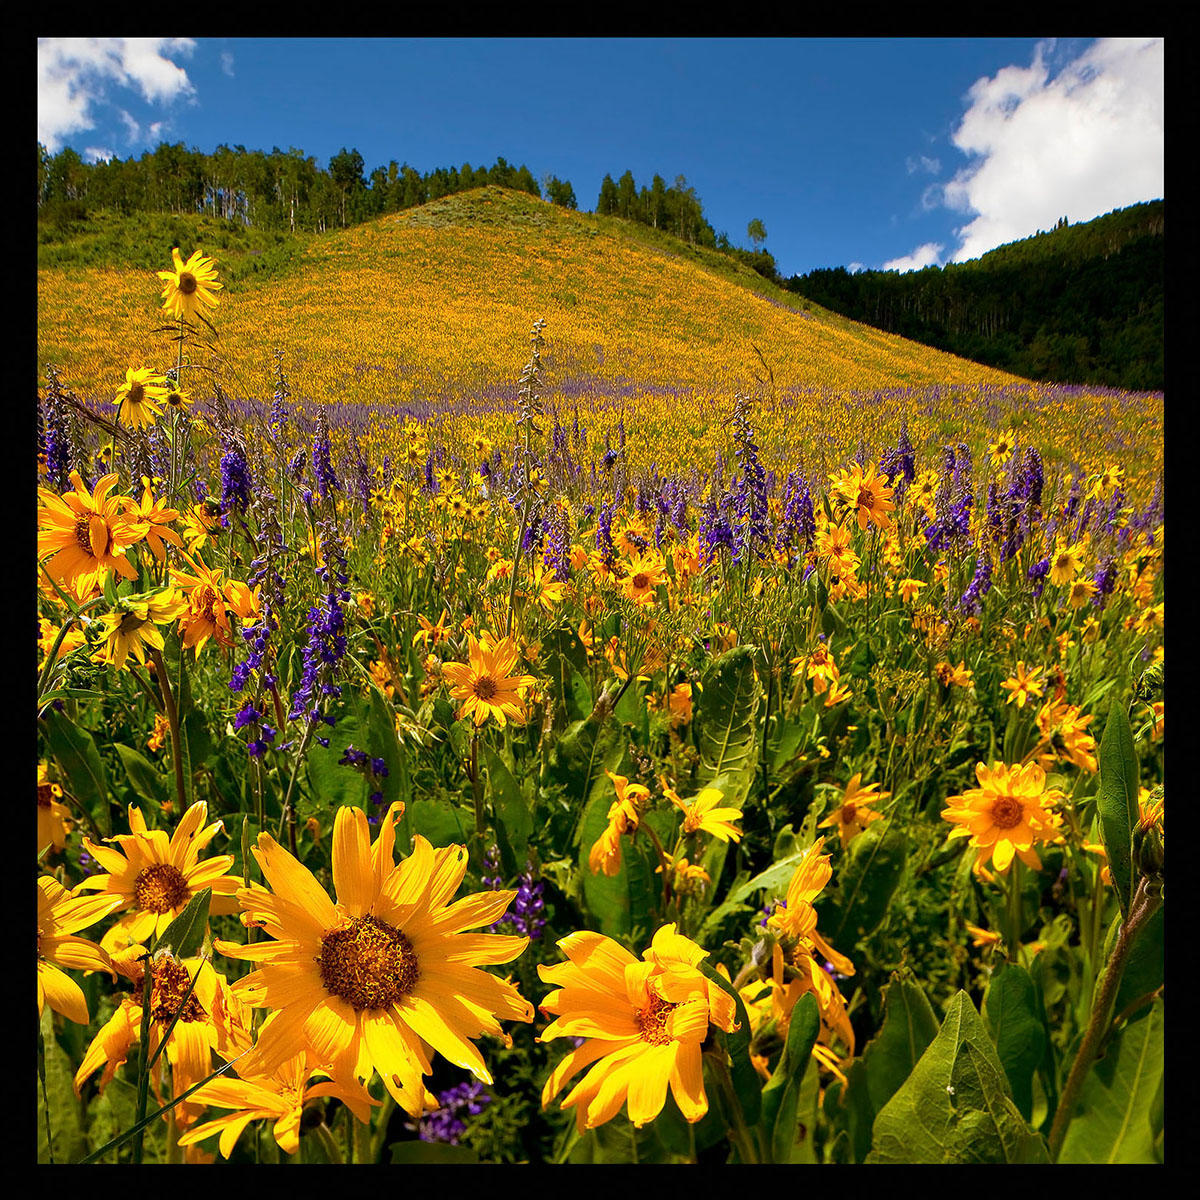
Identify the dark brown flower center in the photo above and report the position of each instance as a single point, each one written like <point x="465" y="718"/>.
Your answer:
<point x="652" y="1021"/>
<point x="849" y="811"/>
<point x="485" y="687"/>
<point x="187" y="283"/>
<point x="640" y="580"/>
<point x="45" y="795"/>
<point x="83" y="533"/>
<point x="1006" y="812"/>
<point x="368" y="963"/>
<point x="866" y="498"/>
<point x="171" y="984"/>
<point x="174" y="399"/>
<point x="137" y="394"/>
<point x="160" y="888"/>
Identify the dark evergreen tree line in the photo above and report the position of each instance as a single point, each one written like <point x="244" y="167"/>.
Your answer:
<point x="1080" y="304"/>
<point x="279" y="190"/>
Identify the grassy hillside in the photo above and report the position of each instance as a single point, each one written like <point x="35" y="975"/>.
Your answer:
<point x="427" y="312"/>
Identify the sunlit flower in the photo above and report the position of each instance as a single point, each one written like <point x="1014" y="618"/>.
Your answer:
<point x="372" y="981"/>
<point x="680" y="704"/>
<point x="134" y="626"/>
<point x="157" y="518"/>
<point x="623" y="817"/>
<point x="279" y="1096"/>
<point x="61" y="915"/>
<point x="1006" y="814"/>
<point x="138" y="397"/>
<point x="909" y="589"/>
<point x="1022" y="685"/>
<point x="1001" y="449"/>
<point x="865" y="492"/>
<point x="485" y="684"/>
<point x="87" y="534"/>
<point x="950" y="676"/>
<point x="153" y="879"/>
<point x="52" y="817"/>
<point x="854" y="813"/>
<point x="189" y="285"/>
<point x="645" y="574"/>
<point x="1065" y="563"/>
<point x="705" y="813"/>
<point x="642" y="1021"/>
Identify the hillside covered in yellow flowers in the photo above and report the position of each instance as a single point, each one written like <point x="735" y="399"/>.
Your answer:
<point x="426" y="313"/>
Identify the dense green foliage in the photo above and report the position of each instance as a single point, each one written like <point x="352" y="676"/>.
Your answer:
<point x="1080" y="304"/>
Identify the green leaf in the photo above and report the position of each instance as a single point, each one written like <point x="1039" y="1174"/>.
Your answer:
<point x="579" y="759"/>
<point x="66" y="1120"/>
<point x="144" y="778"/>
<point x="888" y="1059"/>
<point x="1112" y="1122"/>
<point x="431" y="1152"/>
<point x="1117" y="800"/>
<point x="956" y="1105"/>
<point x="726" y="722"/>
<point x="185" y="935"/>
<point x="383" y="743"/>
<point x="746" y="1083"/>
<point x="439" y="822"/>
<point x="564" y="660"/>
<point x="1144" y="965"/>
<point x="514" y="821"/>
<point x="82" y="768"/>
<point x="334" y="784"/>
<point x="867" y="878"/>
<point x="1014" y="1020"/>
<point x="781" y="1095"/>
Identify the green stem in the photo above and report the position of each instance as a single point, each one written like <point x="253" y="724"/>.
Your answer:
<point x="328" y="1144"/>
<point x="143" y="1079"/>
<point x="160" y="669"/>
<point x="1141" y="910"/>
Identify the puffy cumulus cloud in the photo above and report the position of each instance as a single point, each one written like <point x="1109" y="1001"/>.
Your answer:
<point x="1078" y="143"/>
<point x="74" y="75"/>
<point x="927" y="255"/>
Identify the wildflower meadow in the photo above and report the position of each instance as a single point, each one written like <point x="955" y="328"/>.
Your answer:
<point x="490" y="738"/>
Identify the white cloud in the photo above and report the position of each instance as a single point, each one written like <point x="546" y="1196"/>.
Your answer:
<point x="95" y="154"/>
<point x="227" y="62"/>
<point x="1078" y="144"/>
<point x="855" y="267"/>
<point x="74" y="75"/>
<point x="923" y="256"/>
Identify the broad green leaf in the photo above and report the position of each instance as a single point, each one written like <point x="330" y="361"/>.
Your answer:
<point x="1112" y="1121"/>
<point x="564" y="660"/>
<point x="726" y="722"/>
<point x="334" y="784"/>
<point x="439" y="822"/>
<point x="1117" y="800"/>
<point x="617" y="1141"/>
<point x="956" y="1105"/>
<point x="144" y="777"/>
<point x="908" y="1027"/>
<point x="579" y="759"/>
<point x="781" y="1095"/>
<point x="185" y="935"/>
<point x="66" y="1120"/>
<point x="514" y="821"/>
<point x="1014" y="1019"/>
<point x="867" y="878"/>
<point x="621" y="904"/>
<point x="80" y="764"/>
<point x="1144" y="965"/>
<point x="431" y="1152"/>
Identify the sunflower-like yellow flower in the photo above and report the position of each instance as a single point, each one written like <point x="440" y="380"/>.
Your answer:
<point x="207" y="612"/>
<point x="210" y="1019"/>
<point x="854" y="813"/>
<point x="1006" y="814"/>
<point x="485" y="684"/>
<point x="680" y="704"/>
<point x="866" y="493"/>
<point x="1064" y="729"/>
<point x="624" y="814"/>
<point x="951" y="676"/>
<point x="153" y="879"/>
<point x="375" y="980"/>
<point x="1023" y="684"/>
<point x="1081" y="593"/>
<point x="1001" y="449"/>
<point x="139" y="396"/>
<point x="703" y="813"/>
<point x="189" y="284"/>
<point x="279" y="1096"/>
<point x="157" y="518"/>
<point x="795" y="919"/>
<point x="909" y="589"/>
<point x="86" y="534"/>
<point x="1065" y="563"/>
<point x="60" y="915"/>
<point x="133" y="627"/>
<point x="645" y="574"/>
<point x="643" y="1022"/>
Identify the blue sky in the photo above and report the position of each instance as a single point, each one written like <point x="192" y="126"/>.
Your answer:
<point x="853" y="152"/>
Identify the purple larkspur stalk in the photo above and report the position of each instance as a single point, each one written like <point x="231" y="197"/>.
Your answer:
<point x="447" y="1123"/>
<point x="322" y="459"/>
<point x="1037" y="576"/>
<point x="971" y="600"/>
<point x="236" y="484"/>
<point x="752" y="534"/>
<point x="555" y="556"/>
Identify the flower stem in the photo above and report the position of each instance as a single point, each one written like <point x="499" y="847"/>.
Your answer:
<point x="1140" y="911"/>
<point x="160" y="669"/>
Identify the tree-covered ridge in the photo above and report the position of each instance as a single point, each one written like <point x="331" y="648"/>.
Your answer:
<point x="279" y="190"/>
<point x="1080" y="304"/>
